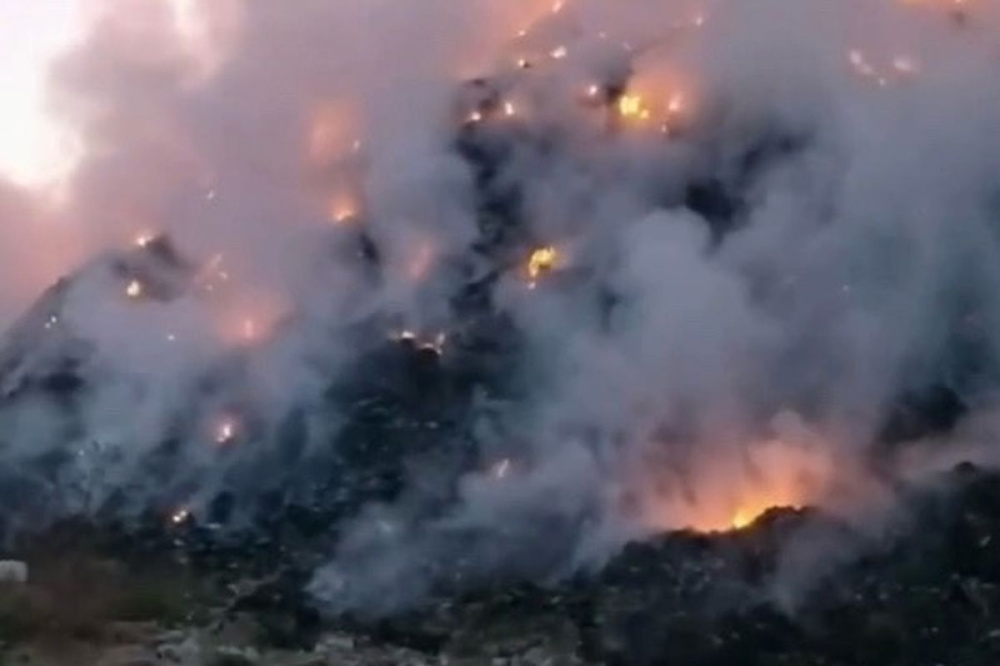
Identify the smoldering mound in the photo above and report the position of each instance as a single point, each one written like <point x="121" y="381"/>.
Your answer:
<point x="642" y="270"/>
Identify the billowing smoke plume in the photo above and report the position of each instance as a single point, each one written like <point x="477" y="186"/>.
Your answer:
<point x="502" y="284"/>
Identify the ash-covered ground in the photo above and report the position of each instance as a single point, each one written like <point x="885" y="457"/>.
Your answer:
<point x="651" y="332"/>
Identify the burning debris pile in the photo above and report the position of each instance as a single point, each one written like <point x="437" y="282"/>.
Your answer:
<point x="925" y="591"/>
<point x="664" y="315"/>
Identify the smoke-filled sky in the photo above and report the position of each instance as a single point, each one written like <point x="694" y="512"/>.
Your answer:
<point x="32" y="35"/>
<point x="736" y="239"/>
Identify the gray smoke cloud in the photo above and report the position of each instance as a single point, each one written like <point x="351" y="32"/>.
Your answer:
<point x="773" y="230"/>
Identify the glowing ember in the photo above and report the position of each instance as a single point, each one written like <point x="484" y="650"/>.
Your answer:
<point x="728" y="493"/>
<point x="741" y="520"/>
<point x="542" y="261"/>
<point x="226" y="432"/>
<point x="134" y="289"/>
<point x="633" y="107"/>
<point x="343" y="210"/>
<point x="435" y="344"/>
<point x="745" y="517"/>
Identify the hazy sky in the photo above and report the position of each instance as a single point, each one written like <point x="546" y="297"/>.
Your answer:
<point x="31" y="33"/>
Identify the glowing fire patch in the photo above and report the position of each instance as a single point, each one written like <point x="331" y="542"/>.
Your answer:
<point x="742" y="519"/>
<point x="226" y="432"/>
<point x="543" y="260"/>
<point x="633" y="106"/>
<point x="134" y="289"/>
<point x="746" y="517"/>
<point x="343" y="209"/>
<point x="723" y="492"/>
<point x="636" y="109"/>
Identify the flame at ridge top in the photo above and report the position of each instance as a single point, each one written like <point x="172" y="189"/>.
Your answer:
<point x="730" y="495"/>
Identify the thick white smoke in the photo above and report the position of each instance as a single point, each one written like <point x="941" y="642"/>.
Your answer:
<point x="773" y="232"/>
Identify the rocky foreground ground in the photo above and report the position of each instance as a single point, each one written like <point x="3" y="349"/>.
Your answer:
<point x="796" y="588"/>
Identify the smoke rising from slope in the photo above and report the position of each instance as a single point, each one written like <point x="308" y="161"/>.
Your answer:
<point x="769" y="249"/>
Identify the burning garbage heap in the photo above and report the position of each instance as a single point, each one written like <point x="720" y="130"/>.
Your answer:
<point x="681" y="368"/>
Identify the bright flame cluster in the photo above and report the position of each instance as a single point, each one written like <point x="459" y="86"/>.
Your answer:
<point x="542" y="261"/>
<point x="733" y="490"/>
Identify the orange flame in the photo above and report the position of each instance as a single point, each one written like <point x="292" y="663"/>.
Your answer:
<point x="731" y="492"/>
<point x="344" y="207"/>
<point x="542" y="261"/>
<point x="633" y="107"/>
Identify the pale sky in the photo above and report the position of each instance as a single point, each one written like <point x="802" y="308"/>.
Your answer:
<point x="31" y="33"/>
